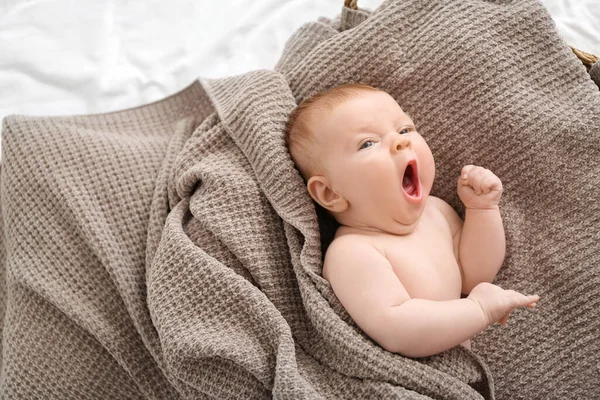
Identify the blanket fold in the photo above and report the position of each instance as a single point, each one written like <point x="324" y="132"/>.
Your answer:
<point x="171" y="250"/>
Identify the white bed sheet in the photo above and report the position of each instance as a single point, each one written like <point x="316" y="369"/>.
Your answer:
<point x="60" y="57"/>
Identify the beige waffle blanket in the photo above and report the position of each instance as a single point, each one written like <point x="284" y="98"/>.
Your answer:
<point x="171" y="251"/>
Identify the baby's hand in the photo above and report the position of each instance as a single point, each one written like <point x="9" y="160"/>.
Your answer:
<point x="497" y="303"/>
<point x="479" y="187"/>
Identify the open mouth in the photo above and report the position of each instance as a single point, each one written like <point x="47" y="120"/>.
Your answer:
<point x="410" y="180"/>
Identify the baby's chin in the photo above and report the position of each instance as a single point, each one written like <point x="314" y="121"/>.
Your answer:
<point x="389" y="226"/>
<point x="395" y="221"/>
<point x="401" y="228"/>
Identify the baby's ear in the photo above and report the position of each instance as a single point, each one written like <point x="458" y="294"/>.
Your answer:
<point x="320" y="190"/>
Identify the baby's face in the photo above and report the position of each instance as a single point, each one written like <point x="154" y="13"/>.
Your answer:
<point x="376" y="160"/>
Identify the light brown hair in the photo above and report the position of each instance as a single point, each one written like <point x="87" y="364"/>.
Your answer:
<point x="298" y="134"/>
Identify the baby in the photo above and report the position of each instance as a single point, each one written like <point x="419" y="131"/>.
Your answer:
<point x="401" y="258"/>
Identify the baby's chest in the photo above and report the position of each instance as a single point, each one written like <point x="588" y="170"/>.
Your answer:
<point x="427" y="267"/>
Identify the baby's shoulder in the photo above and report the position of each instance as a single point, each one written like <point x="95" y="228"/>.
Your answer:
<point x="445" y="210"/>
<point x="347" y="247"/>
<point x="436" y="203"/>
<point x="345" y="241"/>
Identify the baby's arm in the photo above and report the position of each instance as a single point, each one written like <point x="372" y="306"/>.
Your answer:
<point x="482" y="242"/>
<point x="366" y="285"/>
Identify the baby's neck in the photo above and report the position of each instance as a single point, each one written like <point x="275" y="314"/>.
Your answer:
<point x="394" y="229"/>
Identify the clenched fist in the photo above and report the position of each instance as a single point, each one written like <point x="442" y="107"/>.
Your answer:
<point x="497" y="303"/>
<point x="479" y="187"/>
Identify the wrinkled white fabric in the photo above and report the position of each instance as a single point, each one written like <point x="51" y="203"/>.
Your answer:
<point x="61" y="57"/>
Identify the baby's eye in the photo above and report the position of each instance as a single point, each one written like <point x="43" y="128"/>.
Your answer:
<point x="404" y="131"/>
<point x="364" y="145"/>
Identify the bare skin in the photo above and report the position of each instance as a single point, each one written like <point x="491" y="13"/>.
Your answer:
<point x="401" y="258"/>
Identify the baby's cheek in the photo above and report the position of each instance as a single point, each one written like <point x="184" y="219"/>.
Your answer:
<point x="427" y="171"/>
<point x="355" y="180"/>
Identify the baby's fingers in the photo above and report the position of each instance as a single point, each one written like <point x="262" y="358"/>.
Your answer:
<point x="464" y="173"/>
<point x="476" y="180"/>
<point x="489" y="183"/>
<point x="532" y="300"/>
<point x="519" y="300"/>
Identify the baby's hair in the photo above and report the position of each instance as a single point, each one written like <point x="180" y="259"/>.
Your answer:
<point x="298" y="135"/>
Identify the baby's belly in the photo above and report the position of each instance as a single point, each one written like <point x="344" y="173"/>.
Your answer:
<point x="431" y="275"/>
<point x="432" y="283"/>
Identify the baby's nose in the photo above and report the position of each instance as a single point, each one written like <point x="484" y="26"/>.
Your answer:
<point x="403" y="143"/>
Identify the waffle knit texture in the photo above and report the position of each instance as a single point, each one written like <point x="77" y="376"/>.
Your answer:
<point x="172" y="251"/>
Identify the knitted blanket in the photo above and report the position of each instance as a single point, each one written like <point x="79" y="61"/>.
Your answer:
<point x="171" y="250"/>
